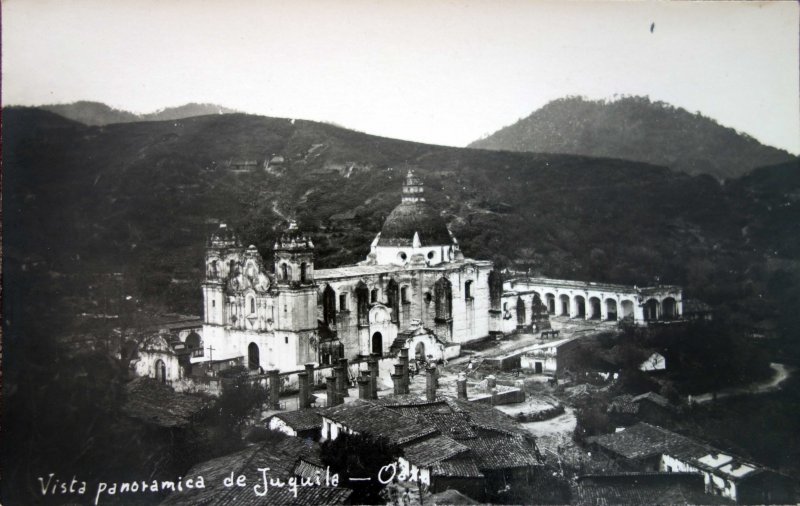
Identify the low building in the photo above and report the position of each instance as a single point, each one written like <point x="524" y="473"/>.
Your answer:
<point x="628" y="409"/>
<point x="655" y="362"/>
<point x="549" y="358"/>
<point x="446" y="442"/>
<point x="304" y="423"/>
<point x="645" y="447"/>
<point x="643" y="488"/>
<point x="288" y="458"/>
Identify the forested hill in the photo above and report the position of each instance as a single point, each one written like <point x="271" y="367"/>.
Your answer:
<point x="634" y="128"/>
<point x="139" y="199"/>
<point x="96" y="113"/>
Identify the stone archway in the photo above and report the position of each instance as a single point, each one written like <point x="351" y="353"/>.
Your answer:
<point x="611" y="309"/>
<point x="594" y="308"/>
<point x="253" y="357"/>
<point x="564" y="299"/>
<point x="161" y="371"/>
<point x="551" y="303"/>
<point x="419" y="351"/>
<point x="651" y="309"/>
<point x="580" y="306"/>
<point x="669" y="309"/>
<point x="377" y="344"/>
<point x="627" y="309"/>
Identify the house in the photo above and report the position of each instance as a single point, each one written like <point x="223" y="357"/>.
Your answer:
<point x="304" y="423"/>
<point x="643" y="488"/>
<point x="655" y="362"/>
<point x="652" y="407"/>
<point x="288" y="458"/>
<point x="549" y="357"/>
<point x="447" y="443"/>
<point x="645" y="447"/>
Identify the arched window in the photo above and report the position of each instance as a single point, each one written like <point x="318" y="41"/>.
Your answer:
<point x="232" y="268"/>
<point x="468" y="290"/>
<point x="373" y="296"/>
<point x="252" y="305"/>
<point x="404" y="295"/>
<point x="161" y="371"/>
<point x="362" y="303"/>
<point x="329" y="305"/>
<point x="444" y="299"/>
<point x="377" y="343"/>
<point x="286" y="272"/>
<point x="393" y="299"/>
<point x="303" y="273"/>
<point x="520" y="311"/>
<point x="253" y="358"/>
<point x="495" y="289"/>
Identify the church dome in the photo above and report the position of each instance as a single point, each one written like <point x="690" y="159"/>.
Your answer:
<point x="414" y="215"/>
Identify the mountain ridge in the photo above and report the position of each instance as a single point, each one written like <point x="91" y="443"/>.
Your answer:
<point x="99" y="114"/>
<point x="636" y="128"/>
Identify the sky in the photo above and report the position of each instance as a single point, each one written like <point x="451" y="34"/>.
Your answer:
<point x="441" y="72"/>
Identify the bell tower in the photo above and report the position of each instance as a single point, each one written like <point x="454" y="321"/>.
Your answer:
<point x="294" y="276"/>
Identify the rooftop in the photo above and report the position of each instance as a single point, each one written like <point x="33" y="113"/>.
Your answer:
<point x="644" y="440"/>
<point x="282" y="458"/>
<point x="644" y="488"/>
<point x="153" y="402"/>
<point x="300" y="420"/>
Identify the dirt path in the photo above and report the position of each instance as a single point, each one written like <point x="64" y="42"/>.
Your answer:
<point x="760" y="387"/>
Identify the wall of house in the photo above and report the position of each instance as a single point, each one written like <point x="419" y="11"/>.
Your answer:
<point x="279" y="425"/>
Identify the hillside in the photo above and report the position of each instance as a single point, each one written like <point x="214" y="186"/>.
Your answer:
<point x="634" y="128"/>
<point x="138" y="200"/>
<point x="96" y="113"/>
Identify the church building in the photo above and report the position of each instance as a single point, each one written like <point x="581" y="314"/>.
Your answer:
<point x="415" y="277"/>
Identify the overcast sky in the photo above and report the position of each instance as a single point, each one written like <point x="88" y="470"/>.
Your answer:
<point x="444" y="72"/>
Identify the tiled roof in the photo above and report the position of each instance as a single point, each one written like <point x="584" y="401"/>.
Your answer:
<point x="301" y="419"/>
<point x="432" y="450"/>
<point x="644" y="488"/>
<point x="281" y="457"/>
<point x="501" y="452"/>
<point x="486" y="417"/>
<point x="654" y="398"/>
<point x="454" y="425"/>
<point x="366" y="417"/>
<point x="308" y="469"/>
<point x="459" y="467"/>
<point x="644" y="440"/>
<point x="623" y="404"/>
<point x="156" y="403"/>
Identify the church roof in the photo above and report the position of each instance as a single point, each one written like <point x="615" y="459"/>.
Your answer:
<point x="413" y="215"/>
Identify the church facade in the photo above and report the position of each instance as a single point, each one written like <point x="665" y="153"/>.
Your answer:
<point x="283" y="317"/>
<point x="414" y="282"/>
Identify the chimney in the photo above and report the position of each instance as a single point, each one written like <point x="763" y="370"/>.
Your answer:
<point x="430" y="384"/>
<point x="365" y="386"/>
<point x="372" y="364"/>
<point x="461" y="386"/>
<point x="404" y="362"/>
<point x="345" y="380"/>
<point x="274" y="388"/>
<point x="491" y="382"/>
<point x="304" y="400"/>
<point x="397" y="379"/>
<point x="311" y="381"/>
<point x="333" y="395"/>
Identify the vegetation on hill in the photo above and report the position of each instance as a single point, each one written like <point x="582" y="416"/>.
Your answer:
<point x="96" y="113"/>
<point x="634" y="128"/>
<point x="139" y="199"/>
